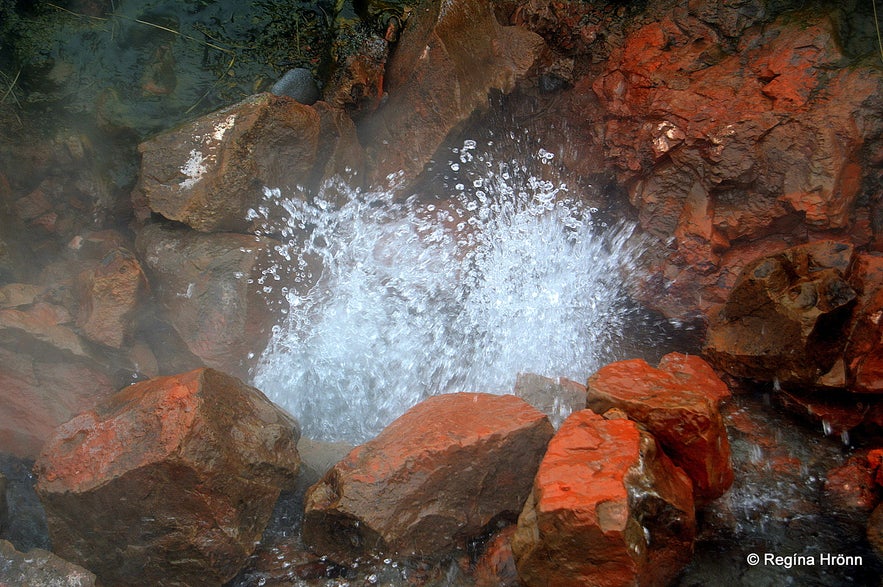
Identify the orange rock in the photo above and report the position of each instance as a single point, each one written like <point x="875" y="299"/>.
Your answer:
<point x="109" y="298"/>
<point x="431" y="480"/>
<point x="608" y="507"/>
<point x="679" y="407"/>
<point x="184" y="468"/>
<point x="496" y="567"/>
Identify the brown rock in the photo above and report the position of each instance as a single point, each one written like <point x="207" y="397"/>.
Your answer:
<point x="210" y="287"/>
<point x="170" y="481"/>
<point x="210" y="172"/>
<point x="786" y="316"/>
<point x="4" y="505"/>
<point x="40" y="568"/>
<point x="607" y="508"/>
<point x="110" y="294"/>
<point x="449" y="57"/>
<point x="557" y="398"/>
<point x="851" y="486"/>
<point x="432" y="479"/>
<point x="679" y="407"/>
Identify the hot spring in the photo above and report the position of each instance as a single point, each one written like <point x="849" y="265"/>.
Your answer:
<point x="503" y="271"/>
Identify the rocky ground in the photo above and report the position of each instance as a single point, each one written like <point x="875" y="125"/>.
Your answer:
<point x="744" y="138"/>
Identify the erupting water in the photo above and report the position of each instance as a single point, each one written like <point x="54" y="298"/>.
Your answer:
<point x="507" y="273"/>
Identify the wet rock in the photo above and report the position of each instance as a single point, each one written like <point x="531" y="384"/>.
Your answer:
<point x="170" y="481"/>
<point x="109" y="298"/>
<point x="557" y="398"/>
<point x="449" y="57"/>
<point x="496" y="567"/>
<point x="833" y="415"/>
<point x="786" y="317"/>
<point x="678" y="404"/>
<point x="851" y="486"/>
<point x="875" y="529"/>
<point x="210" y="172"/>
<point x="210" y="288"/>
<point x="40" y="568"/>
<point x="608" y="507"/>
<point x="297" y="83"/>
<point x="431" y="480"/>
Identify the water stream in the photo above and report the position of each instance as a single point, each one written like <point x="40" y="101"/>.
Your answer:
<point x="508" y="272"/>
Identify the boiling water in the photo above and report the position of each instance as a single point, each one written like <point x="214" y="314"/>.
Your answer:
<point x="460" y="291"/>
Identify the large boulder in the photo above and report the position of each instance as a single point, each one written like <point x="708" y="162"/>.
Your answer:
<point x="170" y="481"/>
<point x="210" y="172"/>
<point x="863" y="355"/>
<point x="40" y="568"/>
<point x="450" y="56"/>
<point x="787" y="316"/>
<point x="608" y="507"/>
<point x="213" y="290"/>
<point x="678" y="404"/>
<point x="431" y="480"/>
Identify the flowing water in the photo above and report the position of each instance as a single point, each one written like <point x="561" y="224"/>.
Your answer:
<point x="508" y="272"/>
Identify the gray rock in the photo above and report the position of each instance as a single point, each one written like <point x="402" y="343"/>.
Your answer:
<point x="299" y="84"/>
<point x="40" y="568"/>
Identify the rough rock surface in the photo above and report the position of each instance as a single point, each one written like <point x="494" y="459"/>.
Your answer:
<point x="449" y="57"/>
<point x="557" y="398"/>
<point x="786" y="317"/>
<point x="863" y="355"/>
<point x="40" y="568"/>
<point x="496" y="567"/>
<point x="851" y="486"/>
<point x="432" y="479"/>
<point x="679" y="406"/>
<point x="208" y="173"/>
<point x="608" y="507"/>
<point x="725" y="135"/>
<point x="4" y="505"/>
<point x="171" y="481"/>
<point x="110" y="295"/>
<point x="202" y="283"/>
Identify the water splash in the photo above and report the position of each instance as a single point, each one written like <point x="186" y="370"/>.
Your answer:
<point x="507" y="273"/>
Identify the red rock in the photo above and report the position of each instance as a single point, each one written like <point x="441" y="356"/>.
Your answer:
<point x="170" y="481"/>
<point x="450" y="56"/>
<point x="431" y="480"/>
<point x="40" y="568"/>
<point x="557" y="398"/>
<point x="786" y="316"/>
<point x="676" y="408"/>
<point x="208" y="173"/>
<point x="607" y="508"/>
<point x="835" y="416"/>
<point x="851" y="486"/>
<point x="694" y="371"/>
<point x="202" y="282"/>
<point x="109" y="299"/>
<point x="496" y="567"/>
